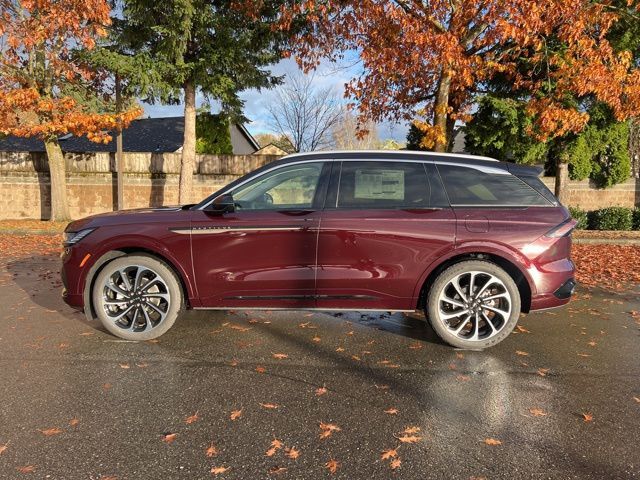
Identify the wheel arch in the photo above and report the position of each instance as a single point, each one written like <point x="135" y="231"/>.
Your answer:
<point x="110" y="255"/>
<point x="518" y="276"/>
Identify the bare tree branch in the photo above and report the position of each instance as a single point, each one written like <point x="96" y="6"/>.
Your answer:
<point x="305" y="114"/>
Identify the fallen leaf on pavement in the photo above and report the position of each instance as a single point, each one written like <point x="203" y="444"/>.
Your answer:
<point x="587" y="417"/>
<point x="212" y="451"/>
<point x="277" y="470"/>
<point x="235" y="414"/>
<point x="521" y="353"/>
<point x="270" y="406"/>
<point x="51" y="431"/>
<point x="73" y="422"/>
<point x="409" y="438"/>
<point x="411" y="430"/>
<point x="332" y="466"/>
<point x="26" y="469"/>
<point x="395" y="463"/>
<point x="275" y="446"/>
<point x="321" y="391"/>
<point x="492" y="441"/>
<point x="537" y="412"/>
<point x="280" y="356"/>
<point x="292" y="453"/>
<point x="3" y="447"/>
<point x="387" y="454"/>
<point x="327" y="429"/>
<point x="192" y="419"/>
<point x="219" y="470"/>
<point x="169" y="437"/>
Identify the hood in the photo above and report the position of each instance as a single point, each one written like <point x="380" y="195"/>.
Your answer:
<point x="136" y="215"/>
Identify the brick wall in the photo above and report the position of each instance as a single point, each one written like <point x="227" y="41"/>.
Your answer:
<point x="585" y="195"/>
<point x="152" y="180"/>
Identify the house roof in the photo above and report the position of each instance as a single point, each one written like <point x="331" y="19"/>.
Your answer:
<point x="270" y="149"/>
<point x="143" y="135"/>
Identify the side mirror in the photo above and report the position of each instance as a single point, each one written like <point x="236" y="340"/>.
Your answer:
<point x="222" y="204"/>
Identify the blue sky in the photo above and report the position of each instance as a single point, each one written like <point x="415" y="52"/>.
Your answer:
<point x="327" y="75"/>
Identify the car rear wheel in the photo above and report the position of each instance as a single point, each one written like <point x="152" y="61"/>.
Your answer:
<point x="137" y="297"/>
<point x="473" y="304"/>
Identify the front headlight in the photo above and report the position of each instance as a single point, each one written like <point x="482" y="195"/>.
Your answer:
<point x="71" y="238"/>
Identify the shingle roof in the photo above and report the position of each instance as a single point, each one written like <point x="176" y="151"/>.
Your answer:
<point x="143" y="135"/>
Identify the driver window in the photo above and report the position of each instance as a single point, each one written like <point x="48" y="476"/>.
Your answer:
<point x="293" y="186"/>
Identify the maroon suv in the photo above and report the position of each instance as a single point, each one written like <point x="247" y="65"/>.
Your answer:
<point x="470" y="240"/>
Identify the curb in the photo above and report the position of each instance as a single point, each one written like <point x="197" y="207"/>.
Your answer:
<point x="606" y="241"/>
<point x="7" y="231"/>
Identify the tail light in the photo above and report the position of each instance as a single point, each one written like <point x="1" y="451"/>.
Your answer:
<point x="562" y="230"/>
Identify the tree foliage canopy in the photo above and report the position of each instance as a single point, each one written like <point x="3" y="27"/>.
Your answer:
<point x="45" y="89"/>
<point x="431" y="58"/>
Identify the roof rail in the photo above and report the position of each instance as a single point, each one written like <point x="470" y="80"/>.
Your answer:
<point x="394" y="152"/>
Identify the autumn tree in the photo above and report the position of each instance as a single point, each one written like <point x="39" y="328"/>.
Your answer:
<point x="219" y="48"/>
<point x="43" y="83"/>
<point x="430" y="59"/>
<point x="305" y="113"/>
<point x="347" y="137"/>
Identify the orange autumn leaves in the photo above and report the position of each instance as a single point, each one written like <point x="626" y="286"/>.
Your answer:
<point x="428" y="60"/>
<point x="38" y="64"/>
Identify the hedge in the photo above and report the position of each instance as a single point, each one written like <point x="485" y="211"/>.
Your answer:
<point x="612" y="218"/>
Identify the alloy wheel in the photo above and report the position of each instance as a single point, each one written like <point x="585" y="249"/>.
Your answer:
<point x="135" y="298"/>
<point x="474" y="305"/>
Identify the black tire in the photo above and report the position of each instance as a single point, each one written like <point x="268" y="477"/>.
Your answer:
<point x="163" y="292"/>
<point x="484" y="327"/>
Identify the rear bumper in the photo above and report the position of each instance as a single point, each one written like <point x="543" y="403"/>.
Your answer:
<point x="566" y="290"/>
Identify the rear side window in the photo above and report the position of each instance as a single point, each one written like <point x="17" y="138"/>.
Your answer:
<point x="383" y="185"/>
<point x="539" y="186"/>
<point x="473" y="187"/>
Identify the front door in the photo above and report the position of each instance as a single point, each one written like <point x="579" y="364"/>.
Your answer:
<point x="383" y="224"/>
<point x="262" y="254"/>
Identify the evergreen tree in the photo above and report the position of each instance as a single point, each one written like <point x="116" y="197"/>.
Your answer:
<point x="216" y="47"/>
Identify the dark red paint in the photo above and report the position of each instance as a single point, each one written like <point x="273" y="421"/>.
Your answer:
<point x="324" y="258"/>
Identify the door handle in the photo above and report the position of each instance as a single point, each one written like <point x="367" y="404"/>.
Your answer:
<point x="296" y="213"/>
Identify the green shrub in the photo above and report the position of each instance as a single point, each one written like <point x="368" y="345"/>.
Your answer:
<point x="612" y="218"/>
<point x="636" y="219"/>
<point x="581" y="216"/>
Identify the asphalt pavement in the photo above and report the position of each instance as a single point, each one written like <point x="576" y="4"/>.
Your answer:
<point x="260" y="395"/>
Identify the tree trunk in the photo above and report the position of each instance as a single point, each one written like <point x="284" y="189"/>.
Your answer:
<point x="55" y="158"/>
<point x="562" y="178"/>
<point x="440" y="112"/>
<point x="189" y="144"/>
<point x="119" y="159"/>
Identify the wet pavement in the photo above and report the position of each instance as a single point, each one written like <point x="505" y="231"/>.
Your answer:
<point x="560" y="398"/>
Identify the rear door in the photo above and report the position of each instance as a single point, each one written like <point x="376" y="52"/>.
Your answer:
<point x="493" y="204"/>
<point x="383" y="223"/>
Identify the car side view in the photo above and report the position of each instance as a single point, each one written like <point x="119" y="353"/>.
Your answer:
<point x="471" y="241"/>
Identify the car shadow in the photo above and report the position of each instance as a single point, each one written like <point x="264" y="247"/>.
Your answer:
<point x="39" y="277"/>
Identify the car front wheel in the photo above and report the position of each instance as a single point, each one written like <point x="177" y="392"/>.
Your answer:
<point x="473" y="304"/>
<point x="137" y="297"/>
